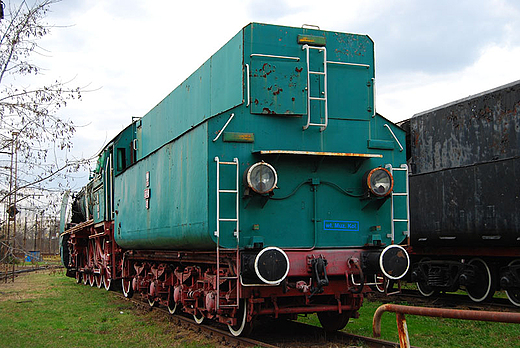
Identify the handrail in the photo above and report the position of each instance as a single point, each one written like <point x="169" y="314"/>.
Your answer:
<point x="395" y="138"/>
<point x="248" y="82"/>
<point x="503" y="317"/>
<point x="274" y="56"/>
<point x="223" y="128"/>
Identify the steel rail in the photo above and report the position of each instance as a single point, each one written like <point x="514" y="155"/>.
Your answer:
<point x="212" y="332"/>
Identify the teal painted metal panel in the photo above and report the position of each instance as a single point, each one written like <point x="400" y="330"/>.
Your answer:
<point x="227" y="76"/>
<point x="176" y="214"/>
<point x="278" y="86"/>
<point x="317" y="203"/>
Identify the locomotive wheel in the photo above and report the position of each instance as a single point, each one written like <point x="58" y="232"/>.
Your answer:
<point x="172" y="305"/>
<point x="78" y="277"/>
<point x="99" y="280"/>
<point x="243" y="327"/>
<point x="333" y="321"/>
<point x="127" y="287"/>
<point x="92" y="279"/>
<point x="514" y="294"/>
<point x="484" y="288"/>
<point x="199" y="318"/>
<point x="151" y="301"/>
<point x="107" y="281"/>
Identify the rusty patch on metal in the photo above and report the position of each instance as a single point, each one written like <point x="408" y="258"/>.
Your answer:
<point x="318" y="153"/>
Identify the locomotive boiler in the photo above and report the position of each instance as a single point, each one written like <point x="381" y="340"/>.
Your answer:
<point x="464" y="195"/>
<point x="264" y="185"/>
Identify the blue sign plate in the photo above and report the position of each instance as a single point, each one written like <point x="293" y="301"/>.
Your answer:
<point x="333" y="225"/>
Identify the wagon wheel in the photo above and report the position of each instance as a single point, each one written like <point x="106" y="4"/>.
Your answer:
<point x="423" y="286"/>
<point x="91" y="279"/>
<point x="514" y="294"/>
<point x="85" y="278"/>
<point x="484" y="287"/>
<point x="243" y="327"/>
<point x="333" y="321"/>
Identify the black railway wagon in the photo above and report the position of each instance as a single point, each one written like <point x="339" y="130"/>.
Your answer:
<point x="464" y="195"/>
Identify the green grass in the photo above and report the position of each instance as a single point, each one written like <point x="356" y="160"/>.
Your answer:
<point x="44" y="310"/>
<point x="51" y="310"/>
<point x="433" y="332"/>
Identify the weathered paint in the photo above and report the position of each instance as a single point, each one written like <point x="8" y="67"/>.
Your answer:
<point x="318" y="153"/>
<point x="502" y="317"/>
<point x="320" y="173"/>
<point x="465" y="183"/>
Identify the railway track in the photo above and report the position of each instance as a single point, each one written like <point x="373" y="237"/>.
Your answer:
<point x="445" y="300"/>
<point x="269" y="333"/>
<point x="9" y="273"/>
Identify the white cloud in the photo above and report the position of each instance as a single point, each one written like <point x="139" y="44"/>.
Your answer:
<point x="133" y="53"/>
<point x="417" y="92"/>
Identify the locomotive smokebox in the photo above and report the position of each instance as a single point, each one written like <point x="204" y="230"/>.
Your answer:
<point x="393" y="262"/>
<point x="269" y="266"/>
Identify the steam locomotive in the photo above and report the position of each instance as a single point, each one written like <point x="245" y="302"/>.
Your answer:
<point x="264" y="185"/>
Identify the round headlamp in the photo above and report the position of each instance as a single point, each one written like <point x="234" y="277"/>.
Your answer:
<point x="380" y="182"/>
<point x="261" y="177"/>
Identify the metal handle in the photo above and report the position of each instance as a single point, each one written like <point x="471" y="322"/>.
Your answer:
<point x="310" y="26"/>
<point x="222" y="130"/>
<point x="248" y="85"/>
<point x="395" y="138"/>
<point x="274" y="56"/>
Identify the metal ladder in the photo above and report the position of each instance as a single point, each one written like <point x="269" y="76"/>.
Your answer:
<point x="310" y="98"/>
<point x="236" y="233"/>
<point x="404" y="168"/>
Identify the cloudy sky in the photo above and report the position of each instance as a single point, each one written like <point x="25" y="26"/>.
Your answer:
<point x="131" y="53"/>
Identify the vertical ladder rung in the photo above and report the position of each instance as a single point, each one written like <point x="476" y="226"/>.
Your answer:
<point x="309" y="98"/>
<point x="404" y="168"/>
<point x="235" y="233"/>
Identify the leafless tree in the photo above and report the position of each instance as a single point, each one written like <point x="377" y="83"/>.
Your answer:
<point x="28" y="114"/>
